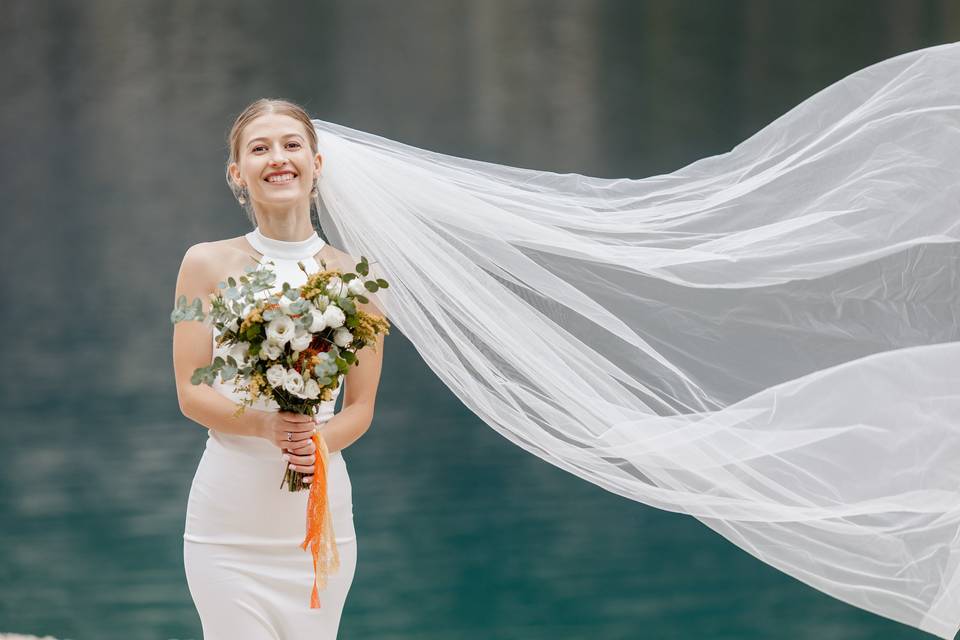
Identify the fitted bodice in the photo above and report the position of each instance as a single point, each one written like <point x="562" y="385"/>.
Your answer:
<point x="284" y="255"/>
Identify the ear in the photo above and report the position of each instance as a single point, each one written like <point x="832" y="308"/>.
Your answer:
<point x="317" y="163"/>
<point x="235" y="173"/>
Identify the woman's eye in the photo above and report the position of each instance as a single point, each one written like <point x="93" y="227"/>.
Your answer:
<point x="260" y="146"/>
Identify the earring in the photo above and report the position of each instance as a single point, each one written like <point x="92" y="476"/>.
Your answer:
<point x="316" y="186"/>
<point x="244" y="194"/>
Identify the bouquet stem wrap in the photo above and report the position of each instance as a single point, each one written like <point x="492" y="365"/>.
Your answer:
<point x="320" y="535"/>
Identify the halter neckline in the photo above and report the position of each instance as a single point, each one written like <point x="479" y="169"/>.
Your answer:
<point x="285" y="249"/>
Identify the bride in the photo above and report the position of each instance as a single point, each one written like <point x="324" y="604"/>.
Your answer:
<point x="247" y="574"/>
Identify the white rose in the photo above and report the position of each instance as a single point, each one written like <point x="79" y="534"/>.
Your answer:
<point x="240" y="352"/>
<point x="335" y="287"/>
<point x="293" y="382"/>
<point x="272" y="350"/>
<point x="281" y="329"/>
<point x="301" y="340"/>
<point x="356" y="287"/>
<point x="276" y="375"/>
<point x="311" y="389"/>
<point x="342" y="337"/>
<point x="334" y="316"/>
<point x="319" y="322"/>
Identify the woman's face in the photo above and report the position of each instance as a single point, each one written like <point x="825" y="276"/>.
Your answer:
<point x="275" y="144"/>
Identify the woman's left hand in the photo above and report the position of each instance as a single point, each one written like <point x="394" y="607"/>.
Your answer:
<point x="303" y="448"/>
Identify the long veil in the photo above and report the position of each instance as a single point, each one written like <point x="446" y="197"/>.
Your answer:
<point x="765" y="339"/>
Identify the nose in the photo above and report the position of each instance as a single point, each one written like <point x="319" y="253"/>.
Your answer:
<point x="278" y="158"/>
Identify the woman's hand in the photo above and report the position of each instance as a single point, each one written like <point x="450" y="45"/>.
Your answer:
<point x="299" y="449"/>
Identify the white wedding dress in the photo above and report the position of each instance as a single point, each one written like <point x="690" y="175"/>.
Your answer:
<point x="247" y="574"/>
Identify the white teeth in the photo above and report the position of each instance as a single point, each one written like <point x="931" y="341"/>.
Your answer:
<point x="286" y="177"/>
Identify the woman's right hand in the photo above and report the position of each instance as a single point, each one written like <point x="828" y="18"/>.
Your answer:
<point x="299" y="446"/>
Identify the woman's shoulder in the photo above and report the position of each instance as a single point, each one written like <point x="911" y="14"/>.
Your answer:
<point x="218" y="248"/>
<point x="209" y="260"/>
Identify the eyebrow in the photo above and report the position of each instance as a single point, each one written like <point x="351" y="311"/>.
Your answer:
<point x="286" y="135"/>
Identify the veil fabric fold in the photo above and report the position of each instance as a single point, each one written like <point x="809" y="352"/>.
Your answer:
<point x="767" y="339"/>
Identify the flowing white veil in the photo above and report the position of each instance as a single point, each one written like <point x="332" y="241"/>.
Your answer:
<point x="765" y="339"/>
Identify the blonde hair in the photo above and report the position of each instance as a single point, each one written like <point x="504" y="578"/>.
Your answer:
<point x="254" y="110"/>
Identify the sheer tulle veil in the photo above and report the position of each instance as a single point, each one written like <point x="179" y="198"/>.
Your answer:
<point x="765" y="339"/>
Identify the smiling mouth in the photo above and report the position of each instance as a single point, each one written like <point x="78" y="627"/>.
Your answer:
<point x="283" y="179"/>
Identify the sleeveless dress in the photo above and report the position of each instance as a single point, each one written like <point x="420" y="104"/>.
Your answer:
<point x="247" y="575"/>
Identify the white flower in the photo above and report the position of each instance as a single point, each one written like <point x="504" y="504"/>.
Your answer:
<point x="240" y="352"/>
<point x="234" y="325"/>
<point x="311" y="389"/>
<point x="334" y="316"/>
<point x="293" y="382"/>
<point x="271" y="349"/>
<point x="335" y="287"/>
<point x="285" y="303"/>
<point x="356" y="287"/>
<point x="301" y="340"/>
<point x="319" y="322"/>
<point x="281" y="329"/>
<point x="276" y="375"/>
<point x="342" y="337"/>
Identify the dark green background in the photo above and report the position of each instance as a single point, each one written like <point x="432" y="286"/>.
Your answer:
<point x="114" y="116"/>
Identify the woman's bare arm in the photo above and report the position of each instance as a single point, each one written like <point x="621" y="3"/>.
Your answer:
<point x="193" y="348"/>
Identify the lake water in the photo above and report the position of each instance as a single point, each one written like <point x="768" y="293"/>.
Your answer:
<point x="114" y="118"/>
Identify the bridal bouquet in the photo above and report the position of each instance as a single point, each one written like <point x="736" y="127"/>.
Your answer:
<point x="290" y="346"/>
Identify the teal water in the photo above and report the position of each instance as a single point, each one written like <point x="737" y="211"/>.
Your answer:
<point x="114" y="119"/>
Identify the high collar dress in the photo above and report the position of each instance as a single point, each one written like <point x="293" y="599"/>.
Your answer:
<point x="247" y="574"/>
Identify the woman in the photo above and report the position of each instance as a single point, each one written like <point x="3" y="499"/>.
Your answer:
<point x="247" y="574"/>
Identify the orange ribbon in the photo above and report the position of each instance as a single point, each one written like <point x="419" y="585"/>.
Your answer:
<point x="320" y="536"/>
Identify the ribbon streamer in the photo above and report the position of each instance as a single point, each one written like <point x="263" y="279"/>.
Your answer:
<point x="320" y="535"/>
